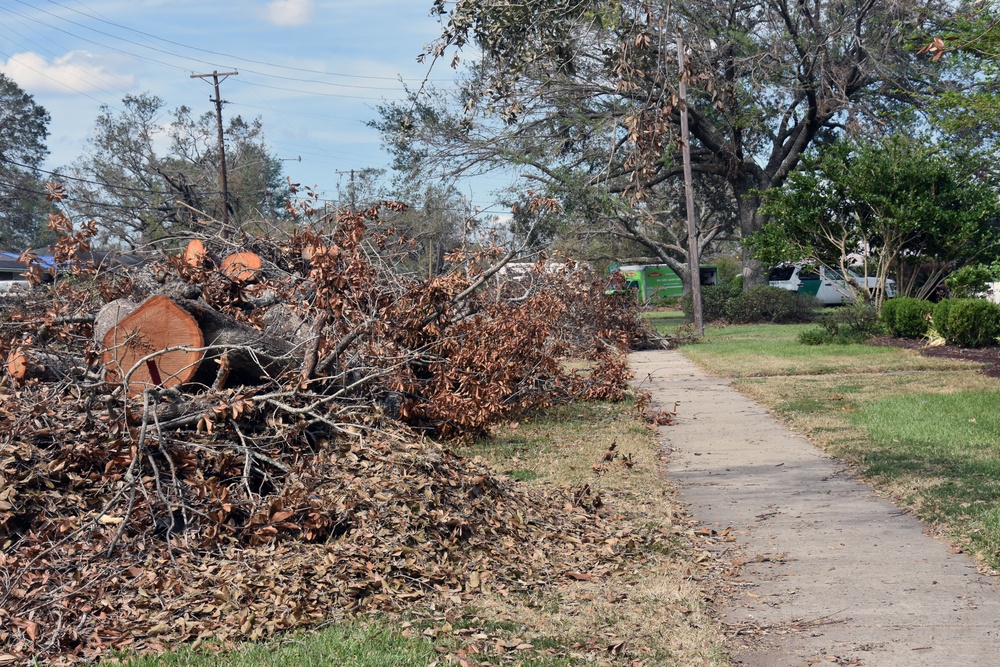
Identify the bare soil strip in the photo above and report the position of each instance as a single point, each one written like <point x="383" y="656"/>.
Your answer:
<point x="830" y="572"/>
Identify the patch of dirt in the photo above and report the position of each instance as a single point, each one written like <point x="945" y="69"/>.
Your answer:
<point x="989" y="357"/>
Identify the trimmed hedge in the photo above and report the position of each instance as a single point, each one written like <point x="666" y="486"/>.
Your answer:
<point x="939" y="317"/>
<point x="763" y="304"/>
<point x="907" y="317"/>
<point x="888" y="315"/>
<point x="973" y="323"/>
<point x="714" y="300"/>
<point x="771" y="304"/>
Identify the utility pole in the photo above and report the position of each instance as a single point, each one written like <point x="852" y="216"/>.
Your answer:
<point x="694" y="262"/>
<point x="222" y="144"/>
<point x="351" y="193"/>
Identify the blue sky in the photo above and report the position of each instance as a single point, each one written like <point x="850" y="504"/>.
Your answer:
<point x="312" y="70"/>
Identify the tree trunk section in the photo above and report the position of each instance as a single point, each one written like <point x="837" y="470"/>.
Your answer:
<point x="751" y="220"/>
<point x="250" y="355"/>
<point x="241" y="267"/>
<point x="157" y="324"/>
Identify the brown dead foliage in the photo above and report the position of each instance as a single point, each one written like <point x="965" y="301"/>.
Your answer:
<point x="235" y="510"/>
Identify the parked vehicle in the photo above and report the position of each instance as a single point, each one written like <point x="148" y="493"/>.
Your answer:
<point x="658" y="280"/>
<point x="11" y="275"/>
<point x="827" y="285"/>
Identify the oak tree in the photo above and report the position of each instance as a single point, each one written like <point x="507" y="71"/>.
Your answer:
<point x="586" y="92"/>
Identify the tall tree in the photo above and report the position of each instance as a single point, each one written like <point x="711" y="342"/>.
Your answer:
<point x="147" y="174"/>
<point x="23" y="130"/>
<point x="965" y="51"/>
<point x="590" y="87"/>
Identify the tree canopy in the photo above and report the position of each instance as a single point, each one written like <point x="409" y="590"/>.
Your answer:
<point x="23" y="130"/>
<point x="584" y="95"/>
<point x="966" y="51"/>
<point x="899" y="205"/>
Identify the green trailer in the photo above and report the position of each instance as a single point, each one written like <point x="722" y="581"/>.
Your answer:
<point x="658" y="281"/>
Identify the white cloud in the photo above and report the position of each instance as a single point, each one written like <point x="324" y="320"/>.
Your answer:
<point x="75" y="72"/>
<point x="289" y="12"/>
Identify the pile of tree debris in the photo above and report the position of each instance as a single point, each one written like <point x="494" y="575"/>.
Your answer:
<point x="235" y="439"/>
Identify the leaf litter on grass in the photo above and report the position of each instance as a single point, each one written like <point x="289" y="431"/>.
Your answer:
<point x="366" y="525"/>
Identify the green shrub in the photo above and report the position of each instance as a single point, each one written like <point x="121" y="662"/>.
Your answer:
<point x="939" y="317"/>
<point x="969" y="281"/>
<point x="853" y="323"/>
<point x="825" y="337"/>
<point x="973" y="323"/>
<point x="763" y="304"/>
<point x="889" y="314"/>
<point x="770" y="304"/>
<point x="907" y="317"/>
<point x="714" y="301"/>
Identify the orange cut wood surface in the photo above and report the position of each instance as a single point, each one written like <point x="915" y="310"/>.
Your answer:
<point x="195" y="253"/>
<point x="157" y="324"/>
<point x="241" y="267"/>
<point x="17" y="364"/>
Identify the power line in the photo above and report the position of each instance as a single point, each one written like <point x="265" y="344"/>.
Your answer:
<point x="190" y="58"/>
<point x="61" y="83"/>
<point x="183" y="57"/>
<point x="225" y="55"/>
<point x="97" y="82"/>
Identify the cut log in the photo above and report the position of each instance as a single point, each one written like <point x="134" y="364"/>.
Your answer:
<point x="241" y="267"/>
<point x="110" y="315"/>
<point x="24" y="364"/>
<point x="251" y="355"/>
<point x="195" y="254"/>
<point x="17" y="363"/>
<point x="311" y="251"/>
<point x="156" y="324"/>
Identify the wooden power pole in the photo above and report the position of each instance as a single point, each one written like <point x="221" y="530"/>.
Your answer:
<point x="222" y="144"/>
<point x="694" y="262"/>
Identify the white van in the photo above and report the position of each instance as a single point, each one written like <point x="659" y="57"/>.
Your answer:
<point x="827" y="285"/>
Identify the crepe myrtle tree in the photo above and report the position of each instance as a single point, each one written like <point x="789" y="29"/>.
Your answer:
<point x="898" y="205"/>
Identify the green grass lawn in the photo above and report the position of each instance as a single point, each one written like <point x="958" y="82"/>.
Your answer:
<point x="925" y="431"/>
<point x="951" y="443"/>
<point x="773" y="349"/>
<point x="354" y="644"/>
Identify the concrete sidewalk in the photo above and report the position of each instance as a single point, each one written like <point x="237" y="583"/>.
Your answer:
<point x="834" y="574"/>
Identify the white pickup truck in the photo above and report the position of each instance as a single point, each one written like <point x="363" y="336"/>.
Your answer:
<point x="827" y="285"/>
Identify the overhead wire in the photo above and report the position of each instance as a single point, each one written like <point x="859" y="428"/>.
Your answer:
<point x="125" y="188"/>
<point x="224" y="55"/>
<point x="254" y="85"/>
<point x="199" y="60"/>
<point x="9" y="57"/>
<point x="95" y="81"/>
